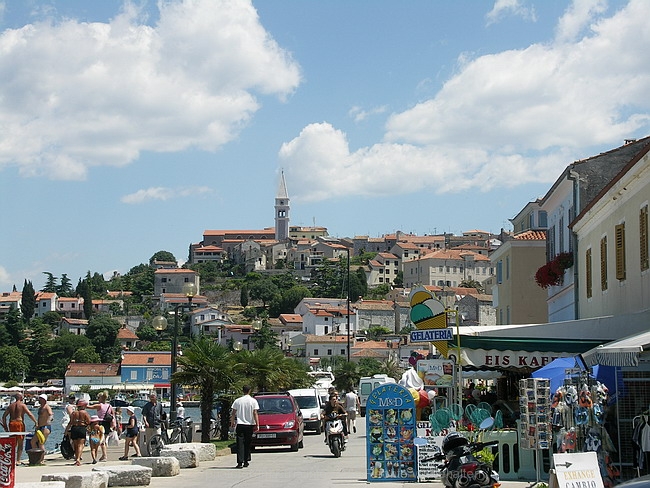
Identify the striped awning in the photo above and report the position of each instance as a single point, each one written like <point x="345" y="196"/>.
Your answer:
<point x="624" y="352"/>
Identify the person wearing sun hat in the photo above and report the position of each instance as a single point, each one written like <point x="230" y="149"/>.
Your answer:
<point x="132" y="434"/>
<point x="96" y="436"/>
<point x="77" y="429"/>
<point x="44" y="423"/>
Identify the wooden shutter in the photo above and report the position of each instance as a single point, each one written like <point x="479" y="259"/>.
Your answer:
<point x="643" y="237"/>
<point x="619" y="231"/>
<point x="588" y="277"/>
<point x="603" y="263"/>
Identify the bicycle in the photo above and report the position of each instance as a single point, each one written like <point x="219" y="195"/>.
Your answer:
<point x="177" y="434"/>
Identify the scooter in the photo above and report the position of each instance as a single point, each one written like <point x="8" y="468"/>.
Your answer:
<point x="461" y="469"/>
<point x="334" y="432"/>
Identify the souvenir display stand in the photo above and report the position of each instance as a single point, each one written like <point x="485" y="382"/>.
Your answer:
<point x="535" y="410"/>
<point x="578" y="409"/>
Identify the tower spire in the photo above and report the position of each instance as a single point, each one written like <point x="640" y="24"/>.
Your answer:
<point x="282" y="211"/>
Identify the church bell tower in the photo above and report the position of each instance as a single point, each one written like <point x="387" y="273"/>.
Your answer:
<point x="282" y="211"/>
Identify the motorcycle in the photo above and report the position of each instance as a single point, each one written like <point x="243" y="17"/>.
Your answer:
<point x="461" y="468"/>
<point x="334" y="432"/>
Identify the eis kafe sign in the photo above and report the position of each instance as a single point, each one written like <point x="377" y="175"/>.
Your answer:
<point x="390" y="429"/>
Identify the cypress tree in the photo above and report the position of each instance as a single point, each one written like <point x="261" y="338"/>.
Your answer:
<point x="28" y="301"/>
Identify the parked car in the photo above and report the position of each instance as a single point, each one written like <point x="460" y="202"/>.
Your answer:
<point x="281" y="421"/>
<point x="310" y="405"/>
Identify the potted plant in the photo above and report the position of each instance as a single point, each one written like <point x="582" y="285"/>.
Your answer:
<point x="552" y="273"/>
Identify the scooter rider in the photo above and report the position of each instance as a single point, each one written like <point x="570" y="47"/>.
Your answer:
<point x="333" y="406"/>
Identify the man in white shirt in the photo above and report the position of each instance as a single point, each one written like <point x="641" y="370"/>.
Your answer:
<point x="180" y="409"/>
<point x="245" y="420"/>
<point x="352" y="404"/>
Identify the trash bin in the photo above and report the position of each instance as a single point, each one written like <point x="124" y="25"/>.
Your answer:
<point x="36" y="456"/>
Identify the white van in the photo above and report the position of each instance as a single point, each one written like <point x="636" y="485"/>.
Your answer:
<point x="310" y="405"/>
<point x="369" y="383"/>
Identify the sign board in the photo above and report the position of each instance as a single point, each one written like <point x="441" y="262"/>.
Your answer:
<point x="427" y="447"/>
<point x="576" y="470"/>
<point x="8" y="460"/>
<point x="427" y="312"/>
<point x="390" y="430"/>
<point x="436" y="372"/>
<point x="431" y="335"/>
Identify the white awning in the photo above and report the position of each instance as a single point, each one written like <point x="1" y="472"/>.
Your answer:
<point x="624" y="352"/>
<point x="117" y="387"/>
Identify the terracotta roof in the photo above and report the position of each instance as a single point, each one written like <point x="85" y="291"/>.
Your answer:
<point x="70" y="299"/>
<point x="374" y="305"/>
<point x="406" y="245"/>
<point x="328" y="338"/>
<point x="454" y="254"/>
<point x="387" y="255"/>
<point x="209" y="248"/>
<point x="74" y="321"/>
<point x="291" y="318"/>
<point x="175" y="270"/>
<point x="368" y="353"/>
<point x="532" y="235"/>
<point x="41" y="295"/>
<point x="92" y="369"/>
<point x="120" y="293"/>
<point x="148" y="358"/>
<point x="371" y="345"/>
<point x="269" y="230"/>
<point x="125" y="333"/>
<point x="14" y="296"/>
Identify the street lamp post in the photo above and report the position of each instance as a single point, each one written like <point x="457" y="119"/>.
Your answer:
<point x="189" y="289"/>
<point x="160" y="323"/>
<point x="348" y="303"/>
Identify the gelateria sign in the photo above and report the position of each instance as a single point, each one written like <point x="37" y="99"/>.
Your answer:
<point x="494" y="358"/>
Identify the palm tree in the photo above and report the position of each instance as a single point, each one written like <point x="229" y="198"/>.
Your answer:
<point x="269" y="370"/>
<point x="207" y="366"/>
<point x="347" y="376"/>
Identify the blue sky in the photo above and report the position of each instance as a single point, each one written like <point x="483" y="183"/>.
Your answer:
<point x="131" y="127"/>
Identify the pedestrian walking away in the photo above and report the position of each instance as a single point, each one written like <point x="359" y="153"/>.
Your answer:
<point x="106" y="418"/>
<point x="96" y="436"/>
<point x="132" y="435"/>
<point x="16" y="413"/>
<point x="352" y="406"/>
<point x="245" y="420"/>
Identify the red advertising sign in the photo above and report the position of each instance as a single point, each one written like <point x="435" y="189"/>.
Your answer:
<point x="7" y="461"/>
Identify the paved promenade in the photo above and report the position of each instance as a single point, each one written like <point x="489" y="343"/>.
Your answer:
<point x="269" y="468"/>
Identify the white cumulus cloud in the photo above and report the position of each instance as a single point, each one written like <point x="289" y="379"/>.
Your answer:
<point x="503" y="119"/>
<point x="79" y="94"/>
<point x="510" y="7"/>
<point x="163" y="193"/>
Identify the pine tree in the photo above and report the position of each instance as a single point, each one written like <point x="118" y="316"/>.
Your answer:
<point x="65" y="288"/>
<point x="50" y="284"/>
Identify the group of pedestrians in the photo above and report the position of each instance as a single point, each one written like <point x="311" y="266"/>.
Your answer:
<point x="81" y="426"/>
